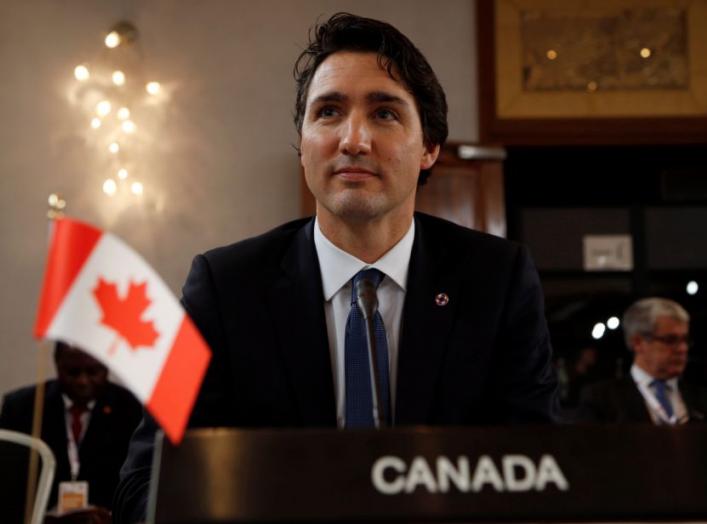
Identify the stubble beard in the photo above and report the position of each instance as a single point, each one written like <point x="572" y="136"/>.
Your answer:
<point x="353" y="207"/>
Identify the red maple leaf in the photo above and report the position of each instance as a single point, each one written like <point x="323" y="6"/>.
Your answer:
<point x="124" y="314"/>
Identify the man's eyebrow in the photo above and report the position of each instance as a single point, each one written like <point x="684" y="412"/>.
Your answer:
<point x="373" y="97"/>
<point x="331" y="96"/>
<point x="382" y="96"/>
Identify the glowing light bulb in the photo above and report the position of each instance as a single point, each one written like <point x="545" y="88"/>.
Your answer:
<point x="136" y="188"/>
<point x="646" y="52"/>
<point x="118" y="78"/>
<point x="53" y="199"/>
<point x="598" y="330"/>
<point x="153" y="87"/>
<point x="123" y="113"/>
<point x="114" y="147"/>
<point x="110" y="187"/>
<point x="81" y="73"/>
<point x="613" y="323"/>
<point x="122" y="173"/>
<point x="551" y="54"/>
<point x="112" y="39"/>
<point x="128" y="126"/>
<point x="95" y="122"/>
<point x="692" y="288"/>
<point x="103" y="108"/>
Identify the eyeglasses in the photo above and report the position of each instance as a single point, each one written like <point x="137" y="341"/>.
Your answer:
<point x="671" y="340"/>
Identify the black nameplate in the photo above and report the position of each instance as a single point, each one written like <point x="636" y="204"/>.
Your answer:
<point x="555" y="473"/>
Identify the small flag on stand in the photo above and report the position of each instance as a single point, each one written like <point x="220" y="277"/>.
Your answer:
<point x="101" y="296"/>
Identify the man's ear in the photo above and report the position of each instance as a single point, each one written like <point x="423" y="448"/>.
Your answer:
<point x="429" y="157"/>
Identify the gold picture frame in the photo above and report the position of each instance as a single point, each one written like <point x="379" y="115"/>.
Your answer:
<point x="599" y="94"/>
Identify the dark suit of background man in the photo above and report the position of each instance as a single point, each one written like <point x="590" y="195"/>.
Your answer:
<point x="656" y="330"/>
<point x="463" y="313"/>
<point x="106" y="416"/>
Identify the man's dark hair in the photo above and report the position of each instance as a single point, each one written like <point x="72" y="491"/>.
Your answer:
<point x="396" y="53"/>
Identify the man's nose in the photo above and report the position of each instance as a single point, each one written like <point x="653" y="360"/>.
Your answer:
<point x="356" y="136"/>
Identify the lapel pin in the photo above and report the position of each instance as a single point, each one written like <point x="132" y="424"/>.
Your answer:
<point x="442" y="299"/>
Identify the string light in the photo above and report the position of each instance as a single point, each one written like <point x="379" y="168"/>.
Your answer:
<point x="153" y="87"/>
<point x="110" y="187"/>
<point x="598" y="330"/>
<point x="118" y="78"/>
<point x="128" y="126"/>
<point x="112" y="40"/>
<point x="613" y="323"/>
<point x="81" y="73"/>
<point x="103" y="108"/>
<point x="692" y="288"/>
<point x="121" y="34"/>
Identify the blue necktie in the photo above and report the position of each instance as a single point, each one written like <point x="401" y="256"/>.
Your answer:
<point x="661" y="395"/>
<point x="359" y="397"/>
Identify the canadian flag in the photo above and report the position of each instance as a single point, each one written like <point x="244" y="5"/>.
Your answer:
<point x="101" y="296"/>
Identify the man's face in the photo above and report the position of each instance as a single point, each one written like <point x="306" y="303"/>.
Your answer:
<point x="663" y="354"/>
<point x="361" y="141"/>
<point x="81" y="377"/>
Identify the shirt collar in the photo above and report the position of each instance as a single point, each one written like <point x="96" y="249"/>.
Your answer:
<point x="338" y="267"/>
<point x="640" y="376"/>
<point x="68" y="403"/>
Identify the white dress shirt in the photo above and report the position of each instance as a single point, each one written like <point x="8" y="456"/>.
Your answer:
<point x="643" y="382"/>
<point x="72" y="445"/>
<point x="338" y="268"/>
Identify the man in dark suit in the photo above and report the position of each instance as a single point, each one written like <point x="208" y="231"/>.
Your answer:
<point x="82" y="408"/>
<point x="656" y="330"/>
<point x="462" y="332"/>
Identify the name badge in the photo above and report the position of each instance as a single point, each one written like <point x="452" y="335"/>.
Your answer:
<point x="72" y="496"/>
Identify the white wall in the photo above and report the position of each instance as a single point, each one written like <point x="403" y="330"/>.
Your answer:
<point x="220" y="166"/>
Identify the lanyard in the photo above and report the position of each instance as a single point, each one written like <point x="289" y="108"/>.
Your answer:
<point x="73" y="451"/>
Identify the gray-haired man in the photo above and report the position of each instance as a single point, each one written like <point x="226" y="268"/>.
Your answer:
<point x="656" y="330"/>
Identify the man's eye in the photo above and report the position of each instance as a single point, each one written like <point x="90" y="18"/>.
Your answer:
<point x="386" y="114"/>
<point x="327" y="112"/>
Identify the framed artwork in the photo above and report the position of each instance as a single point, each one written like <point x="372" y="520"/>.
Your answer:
<point x="600" y="71"/>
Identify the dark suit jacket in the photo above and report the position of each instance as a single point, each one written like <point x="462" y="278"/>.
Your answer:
<point x="482" y="359"/>
<point x="105" y="443"/>
<point x="620" y="401"/>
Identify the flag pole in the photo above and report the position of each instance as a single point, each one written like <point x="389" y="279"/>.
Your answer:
<point x="56" y="207"/>
<point x="37" y="415"/>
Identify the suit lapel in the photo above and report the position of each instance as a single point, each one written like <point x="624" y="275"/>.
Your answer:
<point x="96" y="427"/>
<point x="297" y="300"/>
<point x="425" y="327"/>
<point x="54" y="428"/>
<point x="632" y="402"/>
<point x="691" y="397"/>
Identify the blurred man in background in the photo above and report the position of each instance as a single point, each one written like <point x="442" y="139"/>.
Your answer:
<point x="656" y="330"/>
<point x="87" y="422"/>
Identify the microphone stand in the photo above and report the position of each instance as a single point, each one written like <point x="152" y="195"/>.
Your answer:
<point x="367" y="301"/>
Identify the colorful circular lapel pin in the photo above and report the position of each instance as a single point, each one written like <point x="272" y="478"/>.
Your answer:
<point x="442" y="299"/>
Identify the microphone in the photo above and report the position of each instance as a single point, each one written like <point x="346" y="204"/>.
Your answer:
<point x="367" y="301"/>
